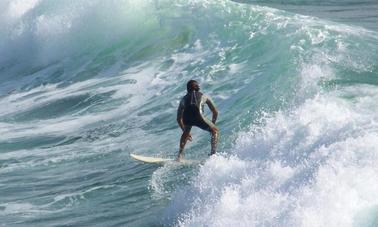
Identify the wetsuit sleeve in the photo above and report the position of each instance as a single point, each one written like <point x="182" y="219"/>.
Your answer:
<point x="180" y="109"/>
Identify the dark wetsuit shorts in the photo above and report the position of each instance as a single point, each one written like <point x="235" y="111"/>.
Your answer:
<point x="200" y="122"/>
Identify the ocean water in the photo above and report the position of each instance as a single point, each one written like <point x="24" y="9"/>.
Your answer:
<point x="85" y="83"/>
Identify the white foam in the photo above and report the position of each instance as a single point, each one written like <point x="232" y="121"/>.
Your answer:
<point x="19" y="208"/>
<point x="344" y="186"/>
<point x="307" y="167"/>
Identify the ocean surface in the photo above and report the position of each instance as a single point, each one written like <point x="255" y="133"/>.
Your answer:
<point x="84" y="83"/>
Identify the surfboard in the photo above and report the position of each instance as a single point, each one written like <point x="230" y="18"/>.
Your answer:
<point x="158" y="160"/>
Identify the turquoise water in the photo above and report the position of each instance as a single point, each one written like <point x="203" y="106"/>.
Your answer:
<point x="85" y="83"/>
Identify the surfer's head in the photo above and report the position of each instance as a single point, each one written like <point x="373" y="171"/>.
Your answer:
<point x="192" y="85"/>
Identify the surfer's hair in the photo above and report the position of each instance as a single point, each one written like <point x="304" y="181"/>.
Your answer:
<point x="189" y="85"/>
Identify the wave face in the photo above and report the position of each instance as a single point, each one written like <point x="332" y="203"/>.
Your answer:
<point x="85" y="83"/>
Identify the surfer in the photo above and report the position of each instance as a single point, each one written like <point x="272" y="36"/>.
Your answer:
<point x="190" y="113"/>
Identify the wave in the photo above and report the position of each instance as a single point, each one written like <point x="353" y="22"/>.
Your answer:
<point x="296" y="94"/>
<point x="295" y="165"/>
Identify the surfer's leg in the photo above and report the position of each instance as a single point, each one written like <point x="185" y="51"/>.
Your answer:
<point x="184" y="138"/>
<point x="207" y="125"/>
<point x="214" y="140"/>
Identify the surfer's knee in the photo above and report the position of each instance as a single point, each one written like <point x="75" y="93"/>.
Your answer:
<point x="185" y="136"/>
<point x="214" y="133"/>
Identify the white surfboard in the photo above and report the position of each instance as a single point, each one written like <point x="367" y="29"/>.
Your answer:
<point x="158" y="160"/>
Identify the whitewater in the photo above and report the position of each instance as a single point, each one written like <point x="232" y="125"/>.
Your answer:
<point x="85" y="83"/>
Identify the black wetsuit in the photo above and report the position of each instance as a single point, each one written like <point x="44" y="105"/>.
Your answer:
<point x="191" y="110"/>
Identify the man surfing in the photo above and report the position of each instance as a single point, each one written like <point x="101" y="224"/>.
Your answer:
<point x="190" y="113"/>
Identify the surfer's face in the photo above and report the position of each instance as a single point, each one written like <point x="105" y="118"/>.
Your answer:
<point x="195" y="87"/>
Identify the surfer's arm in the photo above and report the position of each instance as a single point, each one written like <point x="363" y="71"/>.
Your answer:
<point x="180" y="123"/>
<point x="213" y="109"/>
<point x="180" y="112"/>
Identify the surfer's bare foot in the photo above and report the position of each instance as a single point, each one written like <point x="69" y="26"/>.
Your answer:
<point x="179" y="157"/>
